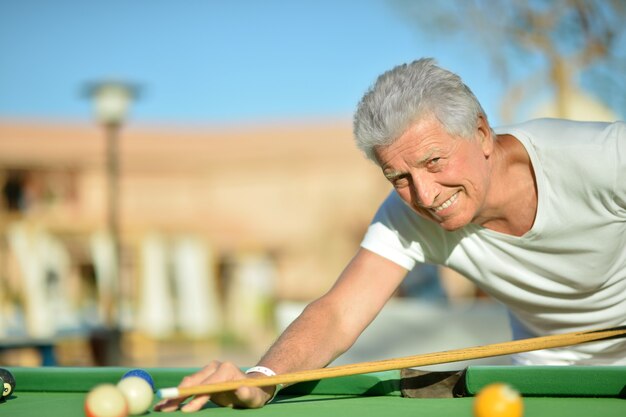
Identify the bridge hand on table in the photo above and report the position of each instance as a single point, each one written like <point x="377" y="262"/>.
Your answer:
<point x="243" y="397"/>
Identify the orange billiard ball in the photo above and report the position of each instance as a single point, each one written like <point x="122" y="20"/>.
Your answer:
<point x="498" y="400"/>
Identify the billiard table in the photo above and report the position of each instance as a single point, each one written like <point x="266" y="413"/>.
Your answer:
<point x="548" y="391"/>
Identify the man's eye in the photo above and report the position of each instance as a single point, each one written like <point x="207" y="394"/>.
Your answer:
<point x="400" y="182"/>
<point x="433" y="163"/>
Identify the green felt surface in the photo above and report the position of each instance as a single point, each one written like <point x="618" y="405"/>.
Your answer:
<point x="71" y="405"/>
<point x="60" y="392"/>
<point x="51" y="379"/>
<point x="529" y="380"/>
<point x="82" y="379"/>
<point x="575" y="381"/>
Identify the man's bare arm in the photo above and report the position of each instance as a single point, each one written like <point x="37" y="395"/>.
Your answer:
<point x="330" y="325"/>
<point x="326" y="328"/>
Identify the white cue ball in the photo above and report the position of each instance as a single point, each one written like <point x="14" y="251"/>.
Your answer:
<point x="105" y="400"/>
<point x="138" y="393"/>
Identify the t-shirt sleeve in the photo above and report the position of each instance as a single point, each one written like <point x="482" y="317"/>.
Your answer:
<point x="393" y="233"/>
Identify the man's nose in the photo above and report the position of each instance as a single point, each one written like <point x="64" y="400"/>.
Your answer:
<point x="425" y="190"/>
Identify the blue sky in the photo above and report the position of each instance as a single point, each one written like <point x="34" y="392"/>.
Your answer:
<point x="206" y="62"/>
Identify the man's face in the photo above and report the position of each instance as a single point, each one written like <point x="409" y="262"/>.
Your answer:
<point x="444" y="178"/>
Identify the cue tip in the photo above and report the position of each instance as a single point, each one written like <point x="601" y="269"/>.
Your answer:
<point x="168" y="393"/>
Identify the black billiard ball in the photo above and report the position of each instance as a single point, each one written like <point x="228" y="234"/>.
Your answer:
<point x="8" y="382"/>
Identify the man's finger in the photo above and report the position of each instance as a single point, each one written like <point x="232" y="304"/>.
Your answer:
<point x="202" y="375"/>
<point x="196" y="403"/>
<point x="199" y="377"/>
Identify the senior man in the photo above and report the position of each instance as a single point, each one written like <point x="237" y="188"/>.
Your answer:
<point x="534" y="214"/>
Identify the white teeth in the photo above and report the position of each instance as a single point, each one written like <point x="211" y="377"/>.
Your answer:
<point x="446" y="203"/>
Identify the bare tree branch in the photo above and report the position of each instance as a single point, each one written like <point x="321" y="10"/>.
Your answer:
<point x="575" y="38"/>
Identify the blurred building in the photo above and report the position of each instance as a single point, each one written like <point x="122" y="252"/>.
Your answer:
<point x="292" y="199"/>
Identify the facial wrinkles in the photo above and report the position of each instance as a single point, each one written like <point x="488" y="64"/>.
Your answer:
<point x="408" y="159"/>
<point x="439" y="187"/>
<point x="402" y="158"/>
<point x="412" y="178"/>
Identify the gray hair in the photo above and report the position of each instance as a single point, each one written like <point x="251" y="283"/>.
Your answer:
<point x="408" y="92"/>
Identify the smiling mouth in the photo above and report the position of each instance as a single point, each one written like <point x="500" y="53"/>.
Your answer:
<point x="446" y="203"/>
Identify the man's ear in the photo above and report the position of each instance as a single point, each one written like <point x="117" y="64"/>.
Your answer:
<point x="483" y="133"/>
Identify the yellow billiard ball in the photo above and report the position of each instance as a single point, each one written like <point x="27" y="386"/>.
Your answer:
<point x="105" y="400"/>
<point x="498" y="400"/>
<point x="138" y="394"/>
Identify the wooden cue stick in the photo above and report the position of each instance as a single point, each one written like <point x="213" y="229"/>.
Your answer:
<point x="476" y="352"/>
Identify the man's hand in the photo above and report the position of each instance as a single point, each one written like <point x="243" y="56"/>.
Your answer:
<point x="243" y="397"/>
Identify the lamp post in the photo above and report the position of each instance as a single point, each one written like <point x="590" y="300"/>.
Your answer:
<point x="111" y="102"/>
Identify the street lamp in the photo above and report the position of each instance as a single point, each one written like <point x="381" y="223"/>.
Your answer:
<point x="111" y="102"/>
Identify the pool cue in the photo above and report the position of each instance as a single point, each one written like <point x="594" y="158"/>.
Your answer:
<point x="437" y="358"/>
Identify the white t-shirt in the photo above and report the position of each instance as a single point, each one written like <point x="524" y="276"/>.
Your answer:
<point x="568" y="273"/>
